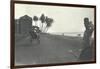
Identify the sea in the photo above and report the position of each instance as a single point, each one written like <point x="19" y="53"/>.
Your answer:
<point x="75" y="34"/>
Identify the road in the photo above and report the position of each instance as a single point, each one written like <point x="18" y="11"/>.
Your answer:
<point x="52" y="49"/>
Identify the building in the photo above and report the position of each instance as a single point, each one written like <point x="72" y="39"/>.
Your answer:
<point x="16" y="26"/>
<point x="24" y="24"/>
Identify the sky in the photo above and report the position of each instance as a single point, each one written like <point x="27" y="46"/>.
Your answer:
<point x="66" y="19"/>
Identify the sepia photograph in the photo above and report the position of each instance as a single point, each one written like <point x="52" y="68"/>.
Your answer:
<point x="45" y="33"/>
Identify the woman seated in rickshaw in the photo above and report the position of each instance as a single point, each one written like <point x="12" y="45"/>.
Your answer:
<point x="35" y="34"/>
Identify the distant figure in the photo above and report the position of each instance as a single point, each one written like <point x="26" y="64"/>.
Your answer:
<point x="79" y="35"/>
<point x="63" y="34"/>
<point x="87" y="52"/>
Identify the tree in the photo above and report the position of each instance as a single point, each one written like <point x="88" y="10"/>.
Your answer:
<point x="35" y="18"/>
<point x="88" y="32"/>
<point x="42" y="19"/>
<point x="49" y="22"/>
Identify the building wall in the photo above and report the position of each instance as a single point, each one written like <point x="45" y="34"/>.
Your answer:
<point x="25" y="24"/>
<point x="16" y="26"/>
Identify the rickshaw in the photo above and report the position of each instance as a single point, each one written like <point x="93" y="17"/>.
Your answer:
<point x="35" y="35"/>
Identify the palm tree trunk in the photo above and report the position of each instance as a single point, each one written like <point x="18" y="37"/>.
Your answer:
<point x="35" y="23"/>
<point x="39" y="25"/>
<point x="42" y="27"/>
<point x="46" y="29"/>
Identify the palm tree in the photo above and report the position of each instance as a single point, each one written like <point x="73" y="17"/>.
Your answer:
<point x="35" y="18"/>
<point x="42" y="19"/>
<point x="49" y="22"/>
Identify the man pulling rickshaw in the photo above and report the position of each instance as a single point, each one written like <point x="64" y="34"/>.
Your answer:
<point x="35" y="34"/>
